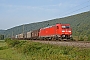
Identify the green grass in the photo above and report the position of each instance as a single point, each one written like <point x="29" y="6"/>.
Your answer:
<point x="8" y="53"/>
<point x="11" y="54"/>
<point x="27" y="50"/>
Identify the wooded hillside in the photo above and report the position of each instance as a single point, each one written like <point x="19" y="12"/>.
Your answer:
<point x="80" y="24"/>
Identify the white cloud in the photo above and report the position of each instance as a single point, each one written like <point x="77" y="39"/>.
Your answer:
<point x="65" y="5"/>
<point x="55" y="5"/>
<point x="20" y="7"/>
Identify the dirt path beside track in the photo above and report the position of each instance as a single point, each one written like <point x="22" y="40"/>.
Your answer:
<point x="67" y="43"/>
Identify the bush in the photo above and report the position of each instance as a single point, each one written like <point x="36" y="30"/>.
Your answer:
<point x="7" y="40"/>
<point x="81" y="39"/>
<point x="11" y="43"/>
<point x="89" y="38"/>
<point x="27" y="47"/>
<point x="41" y="51"/>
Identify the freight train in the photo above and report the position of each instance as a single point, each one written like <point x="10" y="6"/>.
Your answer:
<point x="55" y="32"/>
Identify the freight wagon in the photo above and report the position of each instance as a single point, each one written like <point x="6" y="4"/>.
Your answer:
<point x="35" y="34"/>
<point x="29" y="35"/>
<point x="20" y="36"/>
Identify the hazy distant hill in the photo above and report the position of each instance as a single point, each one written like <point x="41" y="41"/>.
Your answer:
<point x="80" y="24"/>
<point x="2" y="31"/>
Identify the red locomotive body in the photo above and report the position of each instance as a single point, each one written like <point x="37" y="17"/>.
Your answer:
<point x="59" y="30"/>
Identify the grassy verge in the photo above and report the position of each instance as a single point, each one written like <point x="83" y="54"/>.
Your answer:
<point x="9" y="53"/>
<point x="27" y="50"/>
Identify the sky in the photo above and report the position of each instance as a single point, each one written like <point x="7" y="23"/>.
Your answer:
<point x="17" y="12"/>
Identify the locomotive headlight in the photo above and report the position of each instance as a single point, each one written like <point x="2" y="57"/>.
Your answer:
<point x="70" y="35"/>
<point x="63" y="31"/>
<point x="63" y="35"/>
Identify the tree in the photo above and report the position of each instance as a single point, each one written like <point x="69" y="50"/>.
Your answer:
<point x="89" y="37"/>
<point x="1" y="37"/>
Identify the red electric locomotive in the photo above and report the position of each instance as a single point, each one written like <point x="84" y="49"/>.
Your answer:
<point x="58" y="31"/>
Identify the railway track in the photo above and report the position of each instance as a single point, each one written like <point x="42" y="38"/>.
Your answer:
<point x="84" y="44"/>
